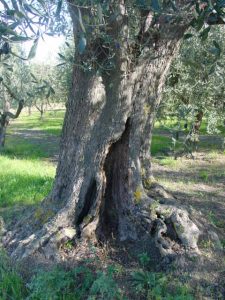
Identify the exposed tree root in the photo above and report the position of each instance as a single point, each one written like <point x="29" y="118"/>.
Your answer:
<point x="172" y="229"/>
<point x="168" y="224"/>
<point x="175" y="231"/>
<point x="25" y="241"/>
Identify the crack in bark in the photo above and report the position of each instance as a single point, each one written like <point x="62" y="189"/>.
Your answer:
<point x="114" y="211"/>
<point x="88" y="203"/>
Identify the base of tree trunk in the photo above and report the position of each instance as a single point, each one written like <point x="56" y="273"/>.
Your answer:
<point x="166" y="223"/>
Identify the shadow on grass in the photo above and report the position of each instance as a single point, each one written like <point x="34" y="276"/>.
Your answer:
<point x="51" y="123"/>
<point x="31" y="146"/>
<point x="205" y="174"/>
<point x="197" y="184"/>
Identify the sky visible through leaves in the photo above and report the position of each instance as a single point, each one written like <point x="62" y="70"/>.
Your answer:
<point x="47" y="50"/>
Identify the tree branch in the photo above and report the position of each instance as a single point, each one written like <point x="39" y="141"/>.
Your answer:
<point x="39" y="109"/>
<point x="16" y="115"/>
<point x="4" y="4"/>
<point x="11" y="93"/>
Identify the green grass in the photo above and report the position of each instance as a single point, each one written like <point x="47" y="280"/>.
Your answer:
<point x="24" y="181"/>
<point x="169" y="161"/>
<point x="171" y="123"/>
<point x="160" y="144"/>
<point x="51" y="123"/>
<point x="26" y="175"/>
<point x="162" y="140"/>
<point x="17" y="147"/>
<point x="11" y="283"/>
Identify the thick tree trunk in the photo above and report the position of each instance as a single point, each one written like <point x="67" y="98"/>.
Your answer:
<point x="104" y="171"/>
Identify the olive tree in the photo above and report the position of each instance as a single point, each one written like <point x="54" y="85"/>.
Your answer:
<point x="124" y="50"/>
<point x="14" y="78"/>
<point x="195" y="83"/>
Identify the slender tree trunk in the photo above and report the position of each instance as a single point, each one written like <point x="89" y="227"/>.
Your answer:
<point x="104" y="170"/>
<point x="42" y="113"/>
<point x="3" y="127"/>
<point x="4" y="120"/>
<point x="29" y="111"/>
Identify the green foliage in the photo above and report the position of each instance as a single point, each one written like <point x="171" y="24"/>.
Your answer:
<point x="204" y="174"/>
<point x="169" y="139"/>
<point x="223" y="243"/>
<point x="156" y="286"/>
<point x="195" y="82"/>
<point x="33" y="49"/>
<point x="58" y="284"/>
<point x="215" y="221"/>
<point x="15" y="80"/>
<point x="79" y="283"/>
<point x="64" y="69"/>
<point x="105" y="287"/>
<point x="82" y="282"/>
<point x="144" y="259"/>
<point x="22" y="17"/>
<point x="11" y="284"/>
<point x="61" y="284"/>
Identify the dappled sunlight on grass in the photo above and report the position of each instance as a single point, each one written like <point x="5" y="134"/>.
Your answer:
<point x="190" y="187"/>
<point x="169" y="161"/>
<point x="197" y="183"/>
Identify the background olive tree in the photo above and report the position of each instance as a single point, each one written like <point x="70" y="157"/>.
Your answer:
<point x="195" y="81"/>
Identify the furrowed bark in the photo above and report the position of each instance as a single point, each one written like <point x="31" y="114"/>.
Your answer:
<point x="104" y="170"/>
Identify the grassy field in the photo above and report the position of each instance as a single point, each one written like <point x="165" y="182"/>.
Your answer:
<point x="51" y="123"/>
<point x="27" y="170"/>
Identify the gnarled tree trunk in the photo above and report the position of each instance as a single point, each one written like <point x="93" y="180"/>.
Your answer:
<point x="104" y="170"/>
